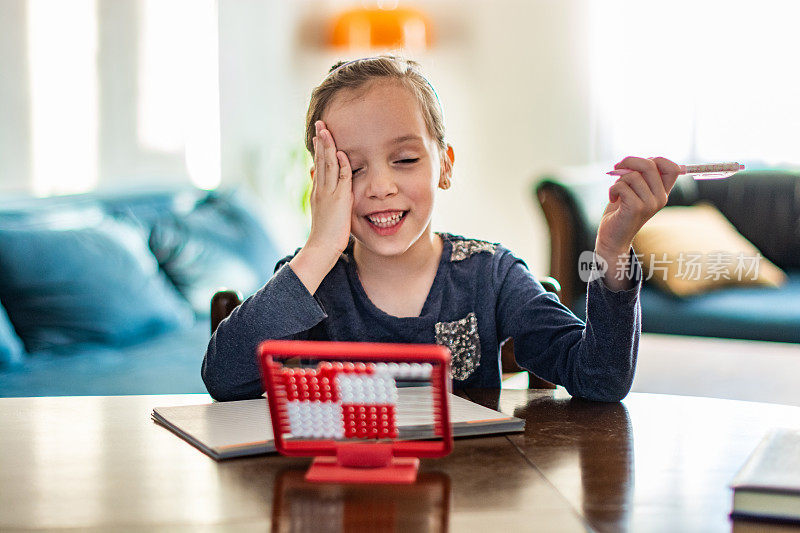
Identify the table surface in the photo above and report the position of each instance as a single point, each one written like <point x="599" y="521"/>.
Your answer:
<point x="651" y="463"/>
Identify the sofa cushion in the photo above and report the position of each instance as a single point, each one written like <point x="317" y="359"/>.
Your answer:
<point x="219" y="243"/>
<point x="87" y="280"/>
<point x="756" y="313"/>
<point x="763" y="205"/>
<point x="11" y="350"/>
<point x="167" y="364"/>
<point x="689" y="250"/>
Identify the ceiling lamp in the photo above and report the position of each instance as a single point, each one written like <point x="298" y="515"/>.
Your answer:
<point x="377" y="28"/>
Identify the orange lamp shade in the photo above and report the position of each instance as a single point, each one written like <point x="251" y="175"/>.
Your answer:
<point x="361" y="28"/>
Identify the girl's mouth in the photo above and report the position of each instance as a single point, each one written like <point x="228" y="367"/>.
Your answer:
<point x="386" y="222"/>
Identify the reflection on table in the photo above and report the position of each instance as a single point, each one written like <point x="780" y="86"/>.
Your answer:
<point x="302" y="506"/>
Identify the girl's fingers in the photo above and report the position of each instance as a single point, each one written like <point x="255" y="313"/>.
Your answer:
<point x="669" y="171"/>
<point x="649" y="171"/>
<point x="345" y="172"/>
<point x="319" y="163"/>
<point x="638" y="184"/>
<point x="622" y="191"/>
<point x="331" y="162"/>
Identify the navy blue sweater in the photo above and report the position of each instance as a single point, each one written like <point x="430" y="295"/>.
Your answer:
<point x="482" y="295"/>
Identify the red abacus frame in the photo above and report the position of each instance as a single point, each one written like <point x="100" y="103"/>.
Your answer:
<point x="382" y="459"/>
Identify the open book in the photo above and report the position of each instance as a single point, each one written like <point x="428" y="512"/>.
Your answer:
<point x="234" y="429"/>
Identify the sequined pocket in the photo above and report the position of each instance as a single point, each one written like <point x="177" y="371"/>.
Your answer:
<point x="461" y="336"/>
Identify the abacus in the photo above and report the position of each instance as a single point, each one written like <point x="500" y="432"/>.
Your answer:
<point x="340" y="406"/>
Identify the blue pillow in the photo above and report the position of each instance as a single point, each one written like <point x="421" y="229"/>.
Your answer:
<point x="95" y="282"/>
<point x="218" y="244"/>
<point x="11" y="350"/>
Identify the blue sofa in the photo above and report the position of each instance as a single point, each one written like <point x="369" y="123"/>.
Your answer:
<point x="109" y="293"/>
<point x="763" y="205"/>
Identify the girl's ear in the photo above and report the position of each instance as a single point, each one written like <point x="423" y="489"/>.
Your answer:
<point x="448" y="159"/>
<point x="312" y="173"/>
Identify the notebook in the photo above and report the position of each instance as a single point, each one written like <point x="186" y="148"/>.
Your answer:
<point x="239" y="428"/>
<point x="768" y="485"/>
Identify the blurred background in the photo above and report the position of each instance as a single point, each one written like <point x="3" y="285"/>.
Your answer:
<point x="101" y="94"/>
<point x="151" y="153"/>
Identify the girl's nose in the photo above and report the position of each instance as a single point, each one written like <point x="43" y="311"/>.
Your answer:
<point x="381" y="184"/>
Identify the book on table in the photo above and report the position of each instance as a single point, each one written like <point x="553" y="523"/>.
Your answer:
<point x="234" y="429"/>
<point x="768" y="485"/>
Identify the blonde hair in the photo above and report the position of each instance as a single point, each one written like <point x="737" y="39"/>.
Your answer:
<point x="355" y="74"/>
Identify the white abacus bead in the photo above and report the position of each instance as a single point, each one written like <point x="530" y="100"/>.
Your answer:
<point x="388" y="388"/>
<point x="422" y="371"/>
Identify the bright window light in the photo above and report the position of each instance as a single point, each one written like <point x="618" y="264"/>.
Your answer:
<point x="62" y="43"/>
<point x="178" y="84"/>
<point x="696" y="80"/>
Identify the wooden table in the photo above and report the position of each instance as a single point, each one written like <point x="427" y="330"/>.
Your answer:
<point x="650" y="463"/>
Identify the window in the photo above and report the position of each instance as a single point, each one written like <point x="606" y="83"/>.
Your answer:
<point x="62" y="47"/>
<point x="696" y="80"/>
<point x="100" y="115"/>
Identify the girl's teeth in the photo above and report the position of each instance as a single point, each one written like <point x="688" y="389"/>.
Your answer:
<point x="386" y="221"/>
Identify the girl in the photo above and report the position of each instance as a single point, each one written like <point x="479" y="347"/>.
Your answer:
<point x="373" y="270"/>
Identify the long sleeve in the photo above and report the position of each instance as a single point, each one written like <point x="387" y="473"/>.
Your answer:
<point x="595" y="360"/>
<point x="281" y="309"/>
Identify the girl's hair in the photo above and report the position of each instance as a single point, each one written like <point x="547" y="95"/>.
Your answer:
<point x="355" y="74"/>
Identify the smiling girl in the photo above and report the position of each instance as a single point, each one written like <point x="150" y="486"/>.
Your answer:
<point x="373" y="270"/>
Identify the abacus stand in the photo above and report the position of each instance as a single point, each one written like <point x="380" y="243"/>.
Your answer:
<point x="363" y="463"/>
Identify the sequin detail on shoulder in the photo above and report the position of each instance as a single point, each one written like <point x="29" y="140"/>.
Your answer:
<point x="461" y="336"/>
<point x="466" y="248"/>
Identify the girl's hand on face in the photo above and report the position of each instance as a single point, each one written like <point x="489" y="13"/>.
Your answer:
<point x="331" y="195"/>
<point x="634" y="199"/>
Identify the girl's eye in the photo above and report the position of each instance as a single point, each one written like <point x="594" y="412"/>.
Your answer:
<point x="408" y="161"/>
<point x="357" y="170"/>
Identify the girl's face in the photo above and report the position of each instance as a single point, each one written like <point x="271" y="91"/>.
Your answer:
<point x="396" y="165"/>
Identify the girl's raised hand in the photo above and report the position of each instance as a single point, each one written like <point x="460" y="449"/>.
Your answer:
<point x="633" y="199"/>
<point x="331" y="194"/>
